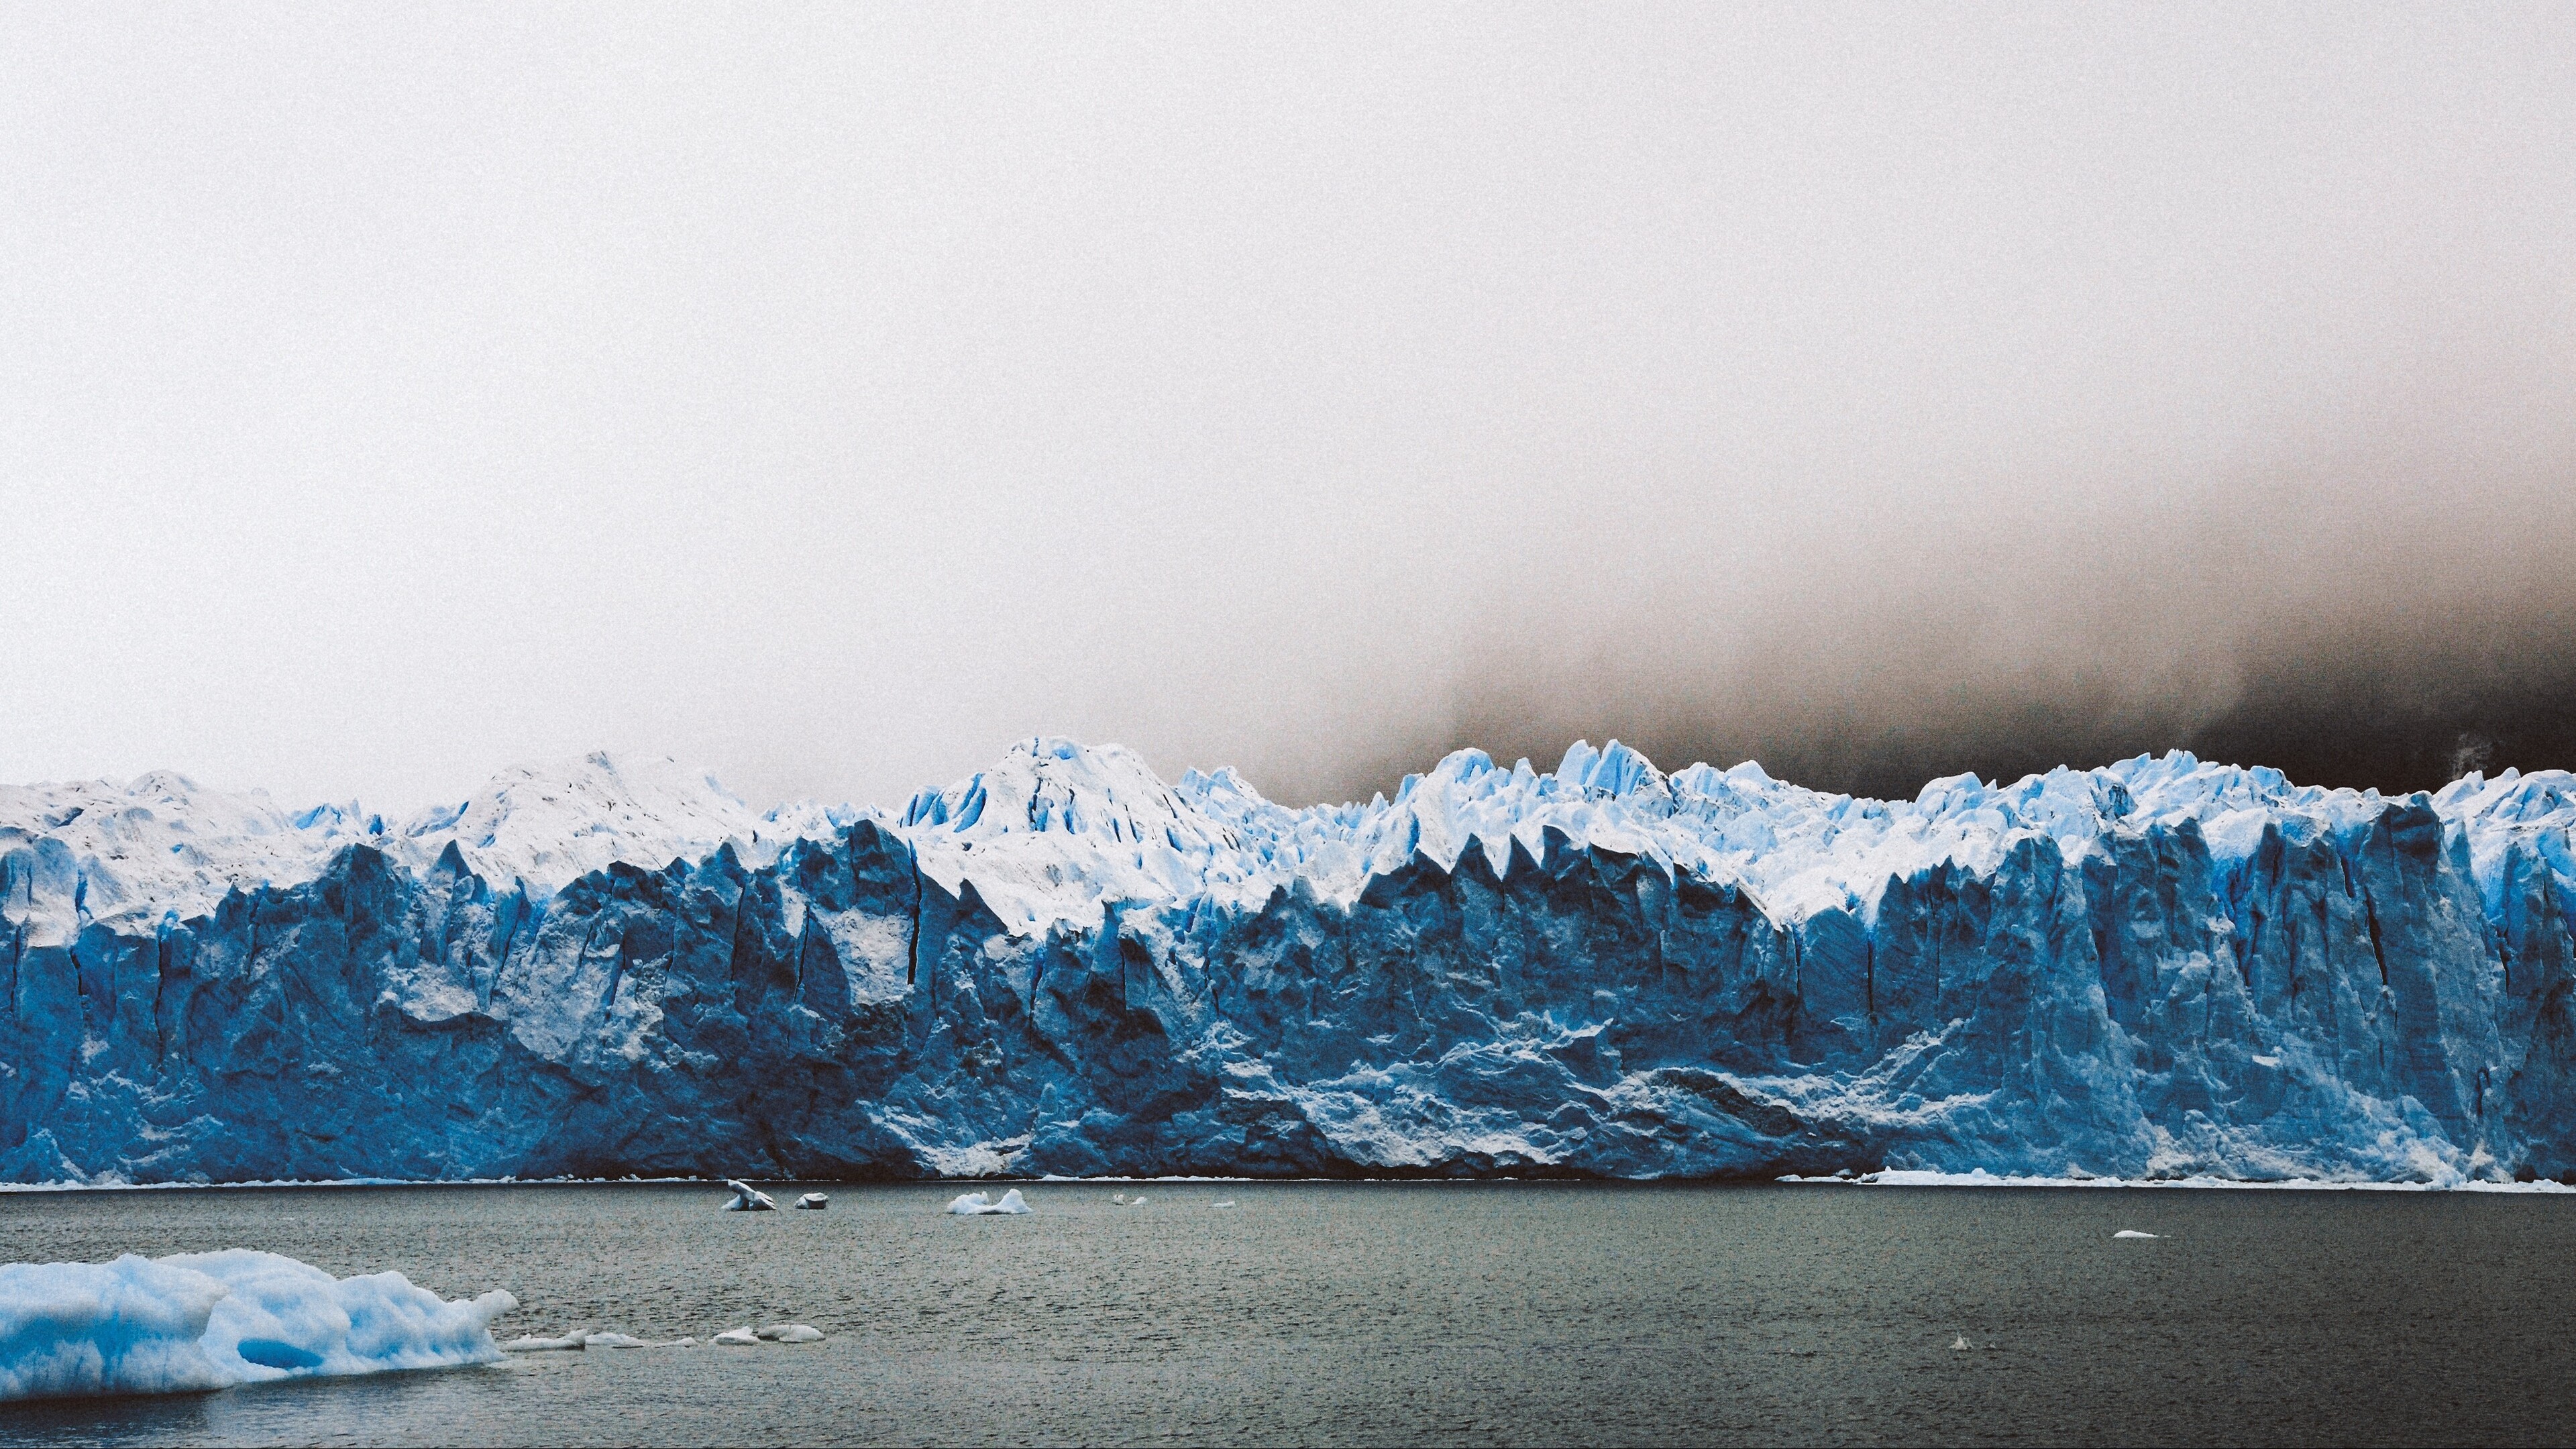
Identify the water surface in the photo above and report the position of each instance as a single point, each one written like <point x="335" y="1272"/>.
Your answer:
<point x="1407" y="1313"/>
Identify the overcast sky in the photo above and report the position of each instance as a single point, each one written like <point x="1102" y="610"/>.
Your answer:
<point x="832" y="395"/>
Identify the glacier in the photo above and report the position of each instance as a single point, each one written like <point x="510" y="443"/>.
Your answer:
<point x="2163" y="968"/>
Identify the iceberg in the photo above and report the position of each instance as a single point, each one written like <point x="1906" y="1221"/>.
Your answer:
<point x="198" y="1321"/>
<point x="741" y="1337"/>
<point x="792" y="1333"/>
<point x="748" y="1199"/>
<point x="976" y="1204"/>
<point x="2132" y="1235"/>
<point x="2161" y="969"/>
<point x="814" y="1202"/>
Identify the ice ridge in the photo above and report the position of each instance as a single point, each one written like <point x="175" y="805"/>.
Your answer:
<point x="2162" y="967"/>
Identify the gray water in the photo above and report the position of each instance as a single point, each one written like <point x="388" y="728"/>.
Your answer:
<point x="1401" y="1314"/>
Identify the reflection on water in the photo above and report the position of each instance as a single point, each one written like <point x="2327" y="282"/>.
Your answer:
<point x="1405" y="1313"/>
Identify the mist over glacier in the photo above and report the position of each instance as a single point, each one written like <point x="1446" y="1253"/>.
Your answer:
<point x="1064" y="964"/>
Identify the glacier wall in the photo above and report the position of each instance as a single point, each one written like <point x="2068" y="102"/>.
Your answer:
<point x="1067" y="965"/>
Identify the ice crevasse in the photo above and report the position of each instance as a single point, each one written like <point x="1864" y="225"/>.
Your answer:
<point x="214" y="1320"/>
<point x="1065" y="964"/>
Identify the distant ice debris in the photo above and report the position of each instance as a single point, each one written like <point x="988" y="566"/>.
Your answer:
<point x="749" y="1199"/>
<point x="814" y="1202"/>
<point x="1123" y="1200"/>
<point x="1960" y="1342"/>
<point x="1229" y="1202"/>
<point x="750" y="1337"/>
<point x="581" y="1339"/>
<point x="976" y="1204"/>
<point x="2132" y="1235"/>
<point x="195" y="1321"/>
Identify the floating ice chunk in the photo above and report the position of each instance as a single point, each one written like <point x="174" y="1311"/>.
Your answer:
<point x="574" y="1341"/>
<point x="1229" y="1202"/>
<point x="211" y="1320"/>
<point x="131" y="1326"/>
<point x="792" y="1333"/>
<point x="741" y="1337"/>
<point x="976" y="1205"/>
<point x="1960" y="1342"/>
<point x="748" y="1199"/>
<point x="1123" y="1200"/>
<point x="615" y="1340"/>
<point x="814" y="1201"/>
<point x="683" y="1341"/>
<point x="2132" y="1235"/>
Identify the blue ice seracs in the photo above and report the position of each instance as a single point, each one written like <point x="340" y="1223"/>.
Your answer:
<point x="1066" y="965"/>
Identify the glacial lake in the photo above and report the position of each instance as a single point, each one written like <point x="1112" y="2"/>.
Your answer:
<point x="1401" y="1313"/>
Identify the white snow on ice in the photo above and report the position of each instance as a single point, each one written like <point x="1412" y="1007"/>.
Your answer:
<point x="1056" y="830"/>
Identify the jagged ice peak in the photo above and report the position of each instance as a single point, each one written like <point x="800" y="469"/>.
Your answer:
<point x="1056" y="831"/>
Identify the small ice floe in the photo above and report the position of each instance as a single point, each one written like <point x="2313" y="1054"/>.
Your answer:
<point x="1229" y="1202"/>
<point x="2132" y="1235"/>
<point x="1961" y="1342"/>
<point x="1123" y="1200"/>
<point x="748" y="1199"/>
<point x="571" y="1342"/>
<point x="683" y="1341"/>
<point x="977" y="1205"/>
<point x="792" y="1333"/>
<point x="741" y="1337"/>
<point x="616" y="1340"/>
<point x="814" y="1202"/>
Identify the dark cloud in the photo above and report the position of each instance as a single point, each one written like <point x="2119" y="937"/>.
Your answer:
<point x="2355" y="711"/>
<point x="2390" y="614"/>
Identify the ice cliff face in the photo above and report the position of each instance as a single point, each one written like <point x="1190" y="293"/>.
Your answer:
<point x="1067" y="965"/>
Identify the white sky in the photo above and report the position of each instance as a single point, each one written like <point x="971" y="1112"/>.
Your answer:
<point x="830" y="395"/>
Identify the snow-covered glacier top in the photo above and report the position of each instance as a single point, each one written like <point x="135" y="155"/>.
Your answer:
<point x="1056" y="831"/>
<point x="162" y="845"/>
